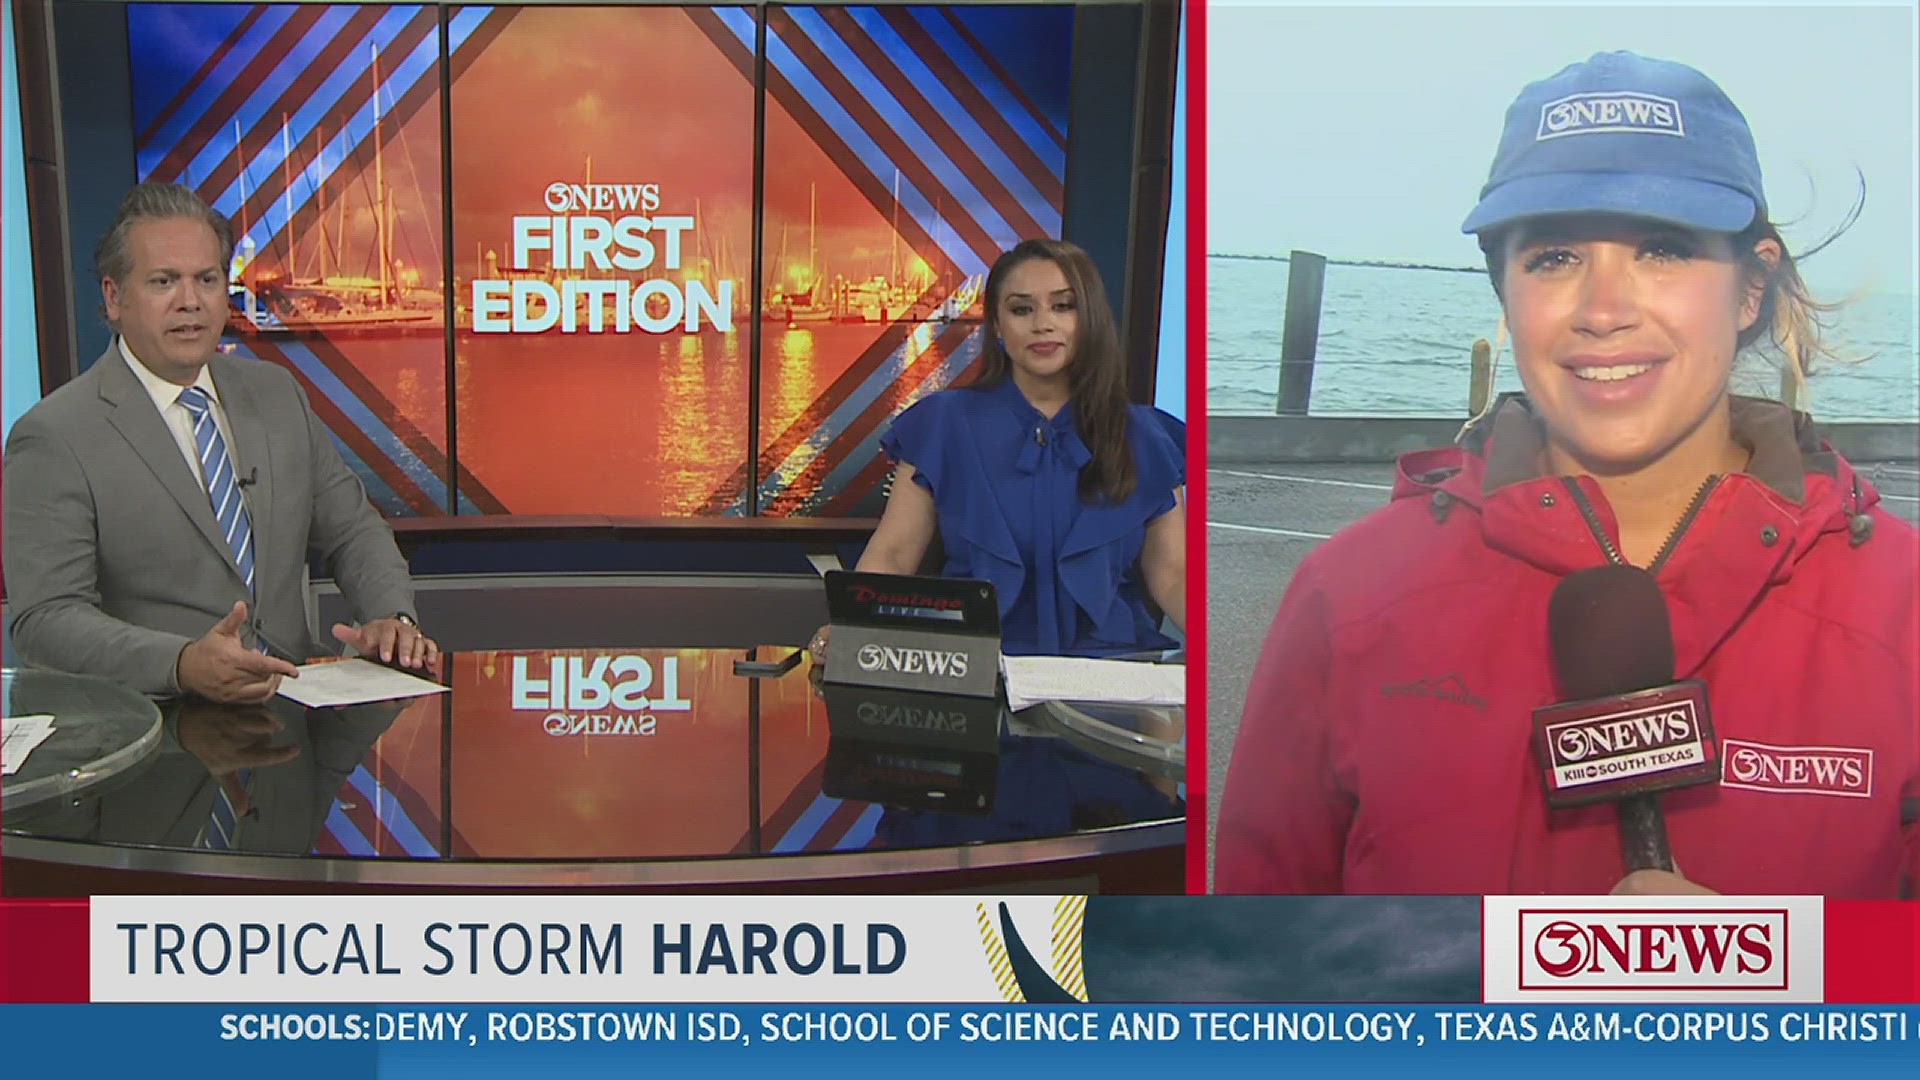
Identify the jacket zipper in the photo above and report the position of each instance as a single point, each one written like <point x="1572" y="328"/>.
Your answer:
<point x="1673" y="538"/>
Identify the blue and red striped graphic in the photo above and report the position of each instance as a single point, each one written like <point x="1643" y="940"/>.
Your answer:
<point x="949" y="120"/>
<point x="910" y="104"/>
<point x="276" y="125"/>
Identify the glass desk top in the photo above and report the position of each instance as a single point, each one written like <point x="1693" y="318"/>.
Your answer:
<point x="101" y="731"/>
<point x="608" y="761"/>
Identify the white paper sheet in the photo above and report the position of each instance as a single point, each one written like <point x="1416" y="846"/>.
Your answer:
<point x="1034" y="679"/>
<point x="18" y="737"/>
<point x="353" y="682"/>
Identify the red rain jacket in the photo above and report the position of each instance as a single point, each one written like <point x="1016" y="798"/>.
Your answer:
<point x="1386" y="741"/>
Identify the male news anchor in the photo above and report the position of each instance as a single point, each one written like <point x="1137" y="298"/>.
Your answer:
<point x="161" y="507"/>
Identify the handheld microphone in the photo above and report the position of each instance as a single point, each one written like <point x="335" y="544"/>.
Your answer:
<point x="1627" y="731"/>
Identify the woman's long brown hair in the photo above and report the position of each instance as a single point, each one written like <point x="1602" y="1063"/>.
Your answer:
<point x="1096" y="372"/>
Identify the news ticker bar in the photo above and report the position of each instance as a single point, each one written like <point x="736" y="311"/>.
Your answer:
<point x="1545" y="951"/>
<point x="335" y="1042"/>
<point x="1425" y="1028"/>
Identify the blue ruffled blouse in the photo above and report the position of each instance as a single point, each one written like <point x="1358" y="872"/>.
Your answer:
<point x="1005" y="484"/>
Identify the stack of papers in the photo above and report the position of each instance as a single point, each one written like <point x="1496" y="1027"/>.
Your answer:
<point x="353" y="682"/>
<point x="20" y="735"/>
<point x="1034" y="679"/>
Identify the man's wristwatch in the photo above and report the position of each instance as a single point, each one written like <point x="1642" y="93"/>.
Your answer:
<point x="403" y="617"/>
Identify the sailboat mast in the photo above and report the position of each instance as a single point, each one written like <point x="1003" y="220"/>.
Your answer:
<point x="240" y="153"/>
<point x="386" y="212"/>
<point x="286" y="180"/>
<point x="381" y="224"/>
<point x="783" y="253"/>
<point x="340" y="226"/>
<point x="320" y="194"/>
<point x="711" y="248"/>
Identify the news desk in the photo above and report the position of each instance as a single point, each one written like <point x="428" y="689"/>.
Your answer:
<point x="723" y="781"/>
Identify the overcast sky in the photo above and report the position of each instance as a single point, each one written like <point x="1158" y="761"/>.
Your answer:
<point x="1365" y="131"/>
<point x="1283" y="948"/>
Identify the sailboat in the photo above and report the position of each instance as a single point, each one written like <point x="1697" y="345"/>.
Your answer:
<point x="386" y="298"/>
<point x="808" y="306"/>
<point x="881" y="298"/>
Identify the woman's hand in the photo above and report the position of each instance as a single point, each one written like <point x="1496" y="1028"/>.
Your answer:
<point x="1659" y="883"/>
<point x="817" y="645"/>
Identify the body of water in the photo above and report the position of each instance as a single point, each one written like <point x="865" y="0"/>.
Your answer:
<point x="1397" y="342"/>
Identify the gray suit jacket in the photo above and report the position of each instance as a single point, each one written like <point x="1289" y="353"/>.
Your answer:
<point x="114" y="561"/>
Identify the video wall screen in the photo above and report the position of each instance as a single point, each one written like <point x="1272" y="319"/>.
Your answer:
<point x="915" y="144"/>
<point x="598" y="171"/>
<point x="317" y="131"/>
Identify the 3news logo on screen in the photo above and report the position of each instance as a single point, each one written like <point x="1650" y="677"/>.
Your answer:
<point x="1653" y="949"/>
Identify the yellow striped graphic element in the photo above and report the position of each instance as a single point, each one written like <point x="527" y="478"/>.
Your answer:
<point x="997" y="961"/>
<point x="1069" y="924"/>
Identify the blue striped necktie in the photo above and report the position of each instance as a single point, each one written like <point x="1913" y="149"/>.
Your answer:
<point x="223" y="826"/>
<point x="223" y="487"/>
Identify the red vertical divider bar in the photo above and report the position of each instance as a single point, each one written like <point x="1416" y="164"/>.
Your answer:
<point x="43" y="951"/>
<point x="1873" y="952"/>
<point x="1197" y="814"/>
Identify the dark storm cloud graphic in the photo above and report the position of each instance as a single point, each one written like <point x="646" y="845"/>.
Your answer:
<point x="1283" y="949"/>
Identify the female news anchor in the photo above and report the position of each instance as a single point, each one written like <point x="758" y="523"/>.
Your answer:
<point x="1040" y="477"/>
<point x="1385" y="745"/>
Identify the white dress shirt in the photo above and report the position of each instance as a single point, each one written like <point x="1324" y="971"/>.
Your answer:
<point x="166" y="398"/>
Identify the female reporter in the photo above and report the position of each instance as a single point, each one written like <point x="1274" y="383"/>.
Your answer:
<point x="1040" y="477"/>
<point x="1386" y="740"/>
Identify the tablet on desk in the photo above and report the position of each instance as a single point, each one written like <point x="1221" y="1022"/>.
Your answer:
<point x="930" y="634"/>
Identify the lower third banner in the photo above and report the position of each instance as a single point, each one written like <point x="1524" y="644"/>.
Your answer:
<point x="984" y="950"/>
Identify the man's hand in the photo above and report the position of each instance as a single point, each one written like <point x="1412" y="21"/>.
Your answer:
<point x="390" y="638"/>
<point x="1659" y="883"/>
<point x="218" y="667"/>
<point x="228" y="738"/>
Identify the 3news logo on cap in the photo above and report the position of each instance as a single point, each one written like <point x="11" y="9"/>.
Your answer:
<point x="1621" y="133"/>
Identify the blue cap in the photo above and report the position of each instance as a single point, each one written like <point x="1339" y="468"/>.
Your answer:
<point x="1624" y="134"/>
